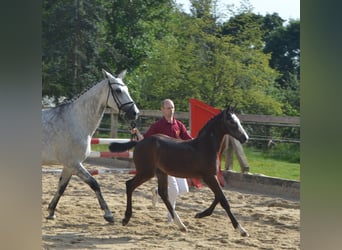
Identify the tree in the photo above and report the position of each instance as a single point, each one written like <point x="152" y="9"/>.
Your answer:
<point x="268" y="34"/>
<point x="132" y="28"/>
<point x="245" y="29"/>
<point x="195" y="61"/>
<point x="250" y="60"/>
<point x="284" y="45"/>
<point x="271" y="22"/>
<point x="72" y="38"/>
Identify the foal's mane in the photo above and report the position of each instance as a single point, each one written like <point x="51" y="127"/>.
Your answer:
<point x="210" y="122"/>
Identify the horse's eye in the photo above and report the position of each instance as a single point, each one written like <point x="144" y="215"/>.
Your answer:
<point x="118" y="91"/>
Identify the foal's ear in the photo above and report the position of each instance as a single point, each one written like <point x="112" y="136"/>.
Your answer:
<point x="231" y="109"/>
<point x="226" y="113"/>
<point x="234" y="108"/>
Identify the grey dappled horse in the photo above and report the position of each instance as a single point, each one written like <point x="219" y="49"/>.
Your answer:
<point x="68" y="128"/>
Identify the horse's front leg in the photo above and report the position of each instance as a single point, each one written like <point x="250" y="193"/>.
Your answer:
<point x="91" y="181"/>
<point x="163" y="193"/>
<point x="62" y="184"/>
<point x="129" y="192"/>
<point x="212" y="183"/>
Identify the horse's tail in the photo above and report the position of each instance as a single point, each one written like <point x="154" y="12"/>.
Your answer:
<point x="120" y="147"/>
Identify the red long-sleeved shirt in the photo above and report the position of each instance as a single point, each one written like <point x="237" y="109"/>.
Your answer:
<point x="176" y="129"/>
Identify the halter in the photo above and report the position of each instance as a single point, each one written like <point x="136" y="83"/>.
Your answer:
<point x="116" y="98"/>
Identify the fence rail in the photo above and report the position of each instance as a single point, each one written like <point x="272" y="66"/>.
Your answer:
<point x="269" y="120"/>
<point x="292" y="121"/>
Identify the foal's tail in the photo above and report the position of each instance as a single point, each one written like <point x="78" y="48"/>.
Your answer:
<point x="120" y="147"/>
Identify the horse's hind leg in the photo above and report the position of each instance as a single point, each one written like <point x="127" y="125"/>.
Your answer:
<point x="91" y="181"/>
<point x="131" y="185"/>
<point x="62" y="184"/>
<point x="163" y="193"/>
<point x="212" y="183"/>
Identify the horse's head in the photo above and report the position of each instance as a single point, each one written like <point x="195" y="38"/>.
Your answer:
<point x="233" y="126"/>
<point x="121" y="97"/>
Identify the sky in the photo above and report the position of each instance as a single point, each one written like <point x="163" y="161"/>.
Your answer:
<point x="287" y="9"/>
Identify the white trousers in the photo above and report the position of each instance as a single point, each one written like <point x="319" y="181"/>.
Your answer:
<point x="176" y="186"/>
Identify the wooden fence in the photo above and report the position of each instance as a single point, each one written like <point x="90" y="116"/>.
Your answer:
<point x="269" y="120"/>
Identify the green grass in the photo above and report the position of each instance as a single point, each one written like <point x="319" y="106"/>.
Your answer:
<point x="100" y="147"/>
<point x="257" y="161"/>
<point x="261" y="164"/>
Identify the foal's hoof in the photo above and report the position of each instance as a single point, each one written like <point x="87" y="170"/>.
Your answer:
<point x="201" y="215"/>
<point x="51" y="217"/>
<point x="125" y="222"/>
<point x="110" y="219"/>
<point x="243" y="231"/>
<point x="244" y="234"/>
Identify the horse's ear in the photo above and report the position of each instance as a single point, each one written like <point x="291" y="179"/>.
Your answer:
<point x="229" y="108"/>
<point x="234" y="108"/>
<point x="105" y="73"/>
<point x="122" y="74"/>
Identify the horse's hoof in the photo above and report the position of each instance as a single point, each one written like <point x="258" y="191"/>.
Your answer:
<point x="244" y="234"/>
<point x="184" y="229"/>
<point x="125" y="222"/>
<point x="51" y="217"/>
<point x="200" y="215"/>
<point x="110" y="219"/>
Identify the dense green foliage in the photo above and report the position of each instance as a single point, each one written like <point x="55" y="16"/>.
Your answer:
<point x="248" y="59"/>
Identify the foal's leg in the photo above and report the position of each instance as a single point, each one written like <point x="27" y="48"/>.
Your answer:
<point x="212" y="183"/>
<point x="131" y="185"/>
<point x="163" y="193"/>
<point x="62" y="184"/>
<point x="91" y="181"/>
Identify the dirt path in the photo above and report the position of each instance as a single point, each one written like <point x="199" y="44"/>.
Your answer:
<point x="272" y="223"/>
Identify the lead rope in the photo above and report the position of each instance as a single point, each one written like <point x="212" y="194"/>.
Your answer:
<point x="134" y="137"/>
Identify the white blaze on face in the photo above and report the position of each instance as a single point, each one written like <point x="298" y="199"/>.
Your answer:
<point x="236" y="119"/>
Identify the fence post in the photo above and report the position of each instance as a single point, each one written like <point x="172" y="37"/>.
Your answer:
<point x="113" y="125"/>
<point x="234" y="145"/>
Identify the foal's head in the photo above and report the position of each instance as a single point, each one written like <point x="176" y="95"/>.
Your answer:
<point x="233" y="126"/>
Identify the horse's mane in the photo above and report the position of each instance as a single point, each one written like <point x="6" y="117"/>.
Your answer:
<point x="74" y="98"/>
<point x="210" y="122"/>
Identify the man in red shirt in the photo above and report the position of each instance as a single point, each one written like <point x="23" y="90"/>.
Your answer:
<point x="168" y="125"/>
